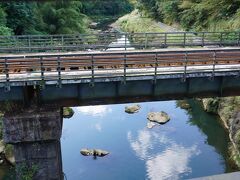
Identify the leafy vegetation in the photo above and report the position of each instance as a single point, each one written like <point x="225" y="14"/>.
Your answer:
<point x="135" y="23"/>
<point x="213" y="15"/>
<point x="106" y="7"/>
<point x="55" y="17"/>
<point x="27" y="172"/>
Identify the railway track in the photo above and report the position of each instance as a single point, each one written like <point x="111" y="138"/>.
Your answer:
<point x="65" y="62"/>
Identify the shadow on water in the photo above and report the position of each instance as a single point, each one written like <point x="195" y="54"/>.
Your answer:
<point x="210" y="125"/>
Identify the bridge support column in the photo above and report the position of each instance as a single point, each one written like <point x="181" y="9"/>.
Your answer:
<point x="35" y="134"/>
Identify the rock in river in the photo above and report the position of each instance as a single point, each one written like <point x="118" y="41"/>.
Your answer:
<point x="94" y="152"/>
<point x="159" y="117"/>
<point x="132" y="109"/>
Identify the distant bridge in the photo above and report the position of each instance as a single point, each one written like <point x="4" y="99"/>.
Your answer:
<point x="114" y="40"/>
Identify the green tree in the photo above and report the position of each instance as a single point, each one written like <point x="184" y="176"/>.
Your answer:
<point x="20" y="16"/>
<point x="4" y="30"/>
<point x="62" y="18"/>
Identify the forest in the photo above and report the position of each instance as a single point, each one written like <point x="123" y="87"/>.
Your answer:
<point x="55" y="17"/>
<point x="68" y="17"/>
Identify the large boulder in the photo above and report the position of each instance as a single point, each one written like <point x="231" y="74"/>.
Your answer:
<point x="158" y="117"/>
<point x="94" y="152"/>
<point x="132" y="109"/>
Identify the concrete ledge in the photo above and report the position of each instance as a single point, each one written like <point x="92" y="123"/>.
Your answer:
<point x="229" y="176"/>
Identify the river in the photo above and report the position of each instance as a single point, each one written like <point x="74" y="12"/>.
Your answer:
<point x="192" y="144"/>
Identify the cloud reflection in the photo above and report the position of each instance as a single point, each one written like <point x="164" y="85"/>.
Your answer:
<point x="98" y="127"/>
<point x="162" y="162"/>
<point x="97" y="111"/>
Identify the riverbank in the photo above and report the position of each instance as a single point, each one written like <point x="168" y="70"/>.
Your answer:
<point x="228" y="109"/>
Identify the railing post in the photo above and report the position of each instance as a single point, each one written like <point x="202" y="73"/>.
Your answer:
<point x="62" y="43"/>
<point x="221" y="39"/>
<point x="59" y="72"/>
<point x="203" y="39"/>
<point x="51" y="43"/>
<point x="29" y="43"/>
<point x="6" y="70"/>
<point x="185" y="67"/>
<point x="125" y="41"/>
<point x="156" y="67"/>
<point x="17" y="44"/>
<point x="92" y="67"/>
<point x="146" y="40"/>
<point x="125" y="69"/>
<point x="165" y="40"/>
<point x="239" y="39"/>
<point x="184" y="39"/>
<point x="42" y="73"/>
<point x="214" y="64"/>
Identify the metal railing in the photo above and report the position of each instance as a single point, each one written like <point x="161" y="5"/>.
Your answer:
<point x="59" y="68"/>
<point x="114" y="41"/>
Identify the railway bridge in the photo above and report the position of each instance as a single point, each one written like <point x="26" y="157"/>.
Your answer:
<point x="69" y="70"/>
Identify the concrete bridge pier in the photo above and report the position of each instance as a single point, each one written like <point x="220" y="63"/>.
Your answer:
<point x="35" y="133"/>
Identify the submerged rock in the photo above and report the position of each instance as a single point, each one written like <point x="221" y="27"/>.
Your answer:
<point x="183" y="104"/>
<point x="94" y="152"/>
<point x="158" y="117"/>
<point x="132" y="109"/>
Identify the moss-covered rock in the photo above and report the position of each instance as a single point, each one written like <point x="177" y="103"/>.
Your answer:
<point x="68" y="112"/>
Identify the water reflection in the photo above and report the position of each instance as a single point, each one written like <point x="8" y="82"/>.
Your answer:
<point x="176" y="150"/>
<point x="98" y="111"/>
<point x="170" y="163"/>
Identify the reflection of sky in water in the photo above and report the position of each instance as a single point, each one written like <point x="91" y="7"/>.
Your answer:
<point x="175" y="150"/>
<point x="98" y="111"/>
<point x="168" y="164"/>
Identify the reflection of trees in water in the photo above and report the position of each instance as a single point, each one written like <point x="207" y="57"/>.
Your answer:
<point x="210" y="126"/>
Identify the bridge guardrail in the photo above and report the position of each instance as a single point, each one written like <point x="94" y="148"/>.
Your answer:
<point x="43" y="68"/>
<point x="114" y="41"/>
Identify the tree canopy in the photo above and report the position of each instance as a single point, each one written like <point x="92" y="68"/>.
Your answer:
<point x="55" y="17"/>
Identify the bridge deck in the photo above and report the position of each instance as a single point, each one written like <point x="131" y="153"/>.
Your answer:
<point x="45" y="68"/>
